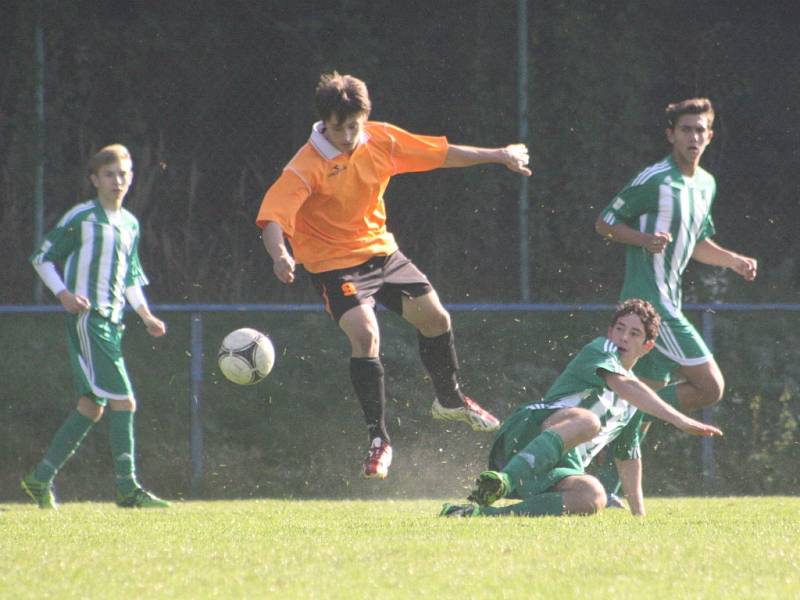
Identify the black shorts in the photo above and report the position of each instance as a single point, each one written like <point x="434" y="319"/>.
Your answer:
<point x="383" y="278"/>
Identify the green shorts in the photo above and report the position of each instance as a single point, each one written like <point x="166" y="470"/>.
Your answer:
<point x="517" y="432"/>
<point x="94" y="345"/>
<point x="678" y="345"/>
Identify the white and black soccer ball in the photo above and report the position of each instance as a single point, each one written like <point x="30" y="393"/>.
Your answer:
<point x="246" y="356"/>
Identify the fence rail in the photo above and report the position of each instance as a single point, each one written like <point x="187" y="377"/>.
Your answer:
<point x="196" y="351"/>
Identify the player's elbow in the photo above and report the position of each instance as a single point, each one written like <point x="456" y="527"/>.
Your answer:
<point x="602" y="228"/>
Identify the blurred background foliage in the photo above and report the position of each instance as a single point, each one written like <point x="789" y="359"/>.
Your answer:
<point x="213" y="98"/>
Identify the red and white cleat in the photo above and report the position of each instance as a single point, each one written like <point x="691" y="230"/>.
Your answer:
<point x="378" y="459"/>
<point x="470" y="413"/>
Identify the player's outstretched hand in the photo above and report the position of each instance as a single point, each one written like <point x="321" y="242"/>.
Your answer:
<point x="516" y="158"/>
<point x="746" y="267"/>
<point x="283" y="267"/>
<point x="693" y="427"/>
<point x="658" y="241"/>
<point x="73" y="303"/>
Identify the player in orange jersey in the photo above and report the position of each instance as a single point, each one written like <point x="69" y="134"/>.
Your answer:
<point x="328" y="203"/>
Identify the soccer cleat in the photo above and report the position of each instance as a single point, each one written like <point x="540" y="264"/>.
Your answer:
<point x="470" y="413"/>
<point x="41" y="492"/>
<point x="490" y="486"/>
<point x="613" y="501"/>
<point x="459" y="510"/>
<point x="140" y="498"/>
<point x="378" y="459"/>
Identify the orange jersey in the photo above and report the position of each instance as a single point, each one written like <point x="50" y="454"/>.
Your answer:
<point x="330" y="205"/>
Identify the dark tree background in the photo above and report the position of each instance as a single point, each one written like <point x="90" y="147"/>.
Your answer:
<point x="214" y="97"/>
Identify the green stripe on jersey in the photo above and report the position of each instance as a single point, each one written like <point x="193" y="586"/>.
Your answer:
<point x="100" y="259"/>
<point x="662" y="199"/>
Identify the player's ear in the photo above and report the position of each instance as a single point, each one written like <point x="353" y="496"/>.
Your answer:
<point x="649" y="345"/>
<point x="670" y="133"/>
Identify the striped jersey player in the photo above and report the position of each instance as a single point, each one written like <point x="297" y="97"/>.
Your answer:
<point x="540" y="453"/>
<point x="96" y="247"/>
<point x="663" y="216"/>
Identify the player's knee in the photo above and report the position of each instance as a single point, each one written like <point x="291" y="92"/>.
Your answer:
<point x="712" y="390"/>
<point x="90" y="409"/>
<point x="587" y="497"/>
<point x="436" y="323"/>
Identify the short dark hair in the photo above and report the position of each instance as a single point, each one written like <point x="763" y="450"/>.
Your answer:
<point x="341" y="96"/>
<point x="106" y="156"/>
<point x="642" y="309"/>
<point x="690" y="106"/>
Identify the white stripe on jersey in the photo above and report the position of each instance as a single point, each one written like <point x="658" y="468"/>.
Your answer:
<point x="651" y="171"/>
<point x="663" y="222"/>
<point x="84" y="260"/>
<point x="106" y="240"/>
<point x="75" y="211"/>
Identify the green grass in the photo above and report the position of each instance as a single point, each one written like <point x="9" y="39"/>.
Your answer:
<point x="687" y="547"/>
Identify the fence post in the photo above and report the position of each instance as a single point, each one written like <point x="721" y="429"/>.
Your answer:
<point x="709" y="466"/>
<point x="196" y="372"/>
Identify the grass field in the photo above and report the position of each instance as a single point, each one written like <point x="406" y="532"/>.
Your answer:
<point x="684" y="548"/>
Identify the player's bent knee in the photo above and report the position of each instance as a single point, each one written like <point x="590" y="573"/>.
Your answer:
<point x="125" y="405"/>
<point x="585" y="497"/>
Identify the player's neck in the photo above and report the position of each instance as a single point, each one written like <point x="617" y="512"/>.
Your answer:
<point x="113" y="204"/>
<point x="688" y="168"/>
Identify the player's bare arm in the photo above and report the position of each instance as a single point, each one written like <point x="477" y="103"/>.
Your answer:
<point x="283" y="263"/>
<point x="515" y="157"/>
<point x="643" y="398"/>
<point x="73" y="304"/>
<point x="630" y="476"/>
<point x="624" y="234"/>
<point x="710" y="253"/>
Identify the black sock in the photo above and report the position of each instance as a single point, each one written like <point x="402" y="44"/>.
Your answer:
<point x="367" y="377"/>
<point x="438" y="354"/>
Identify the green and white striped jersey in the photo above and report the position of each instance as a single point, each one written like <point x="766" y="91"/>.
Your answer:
<point x="662" y="199"/>
<point x="99" y="259"/>
<point x="580" y="385"/>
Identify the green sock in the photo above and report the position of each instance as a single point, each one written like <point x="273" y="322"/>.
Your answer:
<point x="122" y="448"/>
<point x="536" y="458"/>
<point x="549" y="503"/>
<point x="66" y="440"/>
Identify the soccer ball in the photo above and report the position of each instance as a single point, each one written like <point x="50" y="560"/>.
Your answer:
<point x="246" y="356"/>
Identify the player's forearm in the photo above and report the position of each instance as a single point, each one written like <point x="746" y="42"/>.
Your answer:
<point x="710" y="253"/>
<point x="621" y="233"/>
<point x="645" y="399"/>
<point x="467" y="156"/>
<point x="272" y="237"/>
<point x="630" y="476"/>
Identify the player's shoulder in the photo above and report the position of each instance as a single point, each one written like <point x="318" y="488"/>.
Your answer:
<point x="129" y="217"/>
<point x="601" y="345"/>
<point x="704" y="177"/>
<point x="79" y="212"/>
<point x="654" y="174"/>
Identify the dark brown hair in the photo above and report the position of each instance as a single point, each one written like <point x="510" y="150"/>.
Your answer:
<point x="341" y="96"/>
<point x="690" y="106"/>
<point x="642" y="309"/>
<point x="108" y="155"/>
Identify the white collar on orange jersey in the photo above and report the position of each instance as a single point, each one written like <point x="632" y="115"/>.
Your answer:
<point x="323" y="146"/>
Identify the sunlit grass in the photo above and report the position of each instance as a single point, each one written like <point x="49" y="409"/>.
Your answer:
<point x="699" y="548"/>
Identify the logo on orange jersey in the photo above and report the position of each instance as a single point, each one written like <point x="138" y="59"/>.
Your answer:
<point x="349" y="288"/>
<point x="336" y="170"/>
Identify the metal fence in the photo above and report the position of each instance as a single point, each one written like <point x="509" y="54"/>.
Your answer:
<point x="196" y="312"/>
